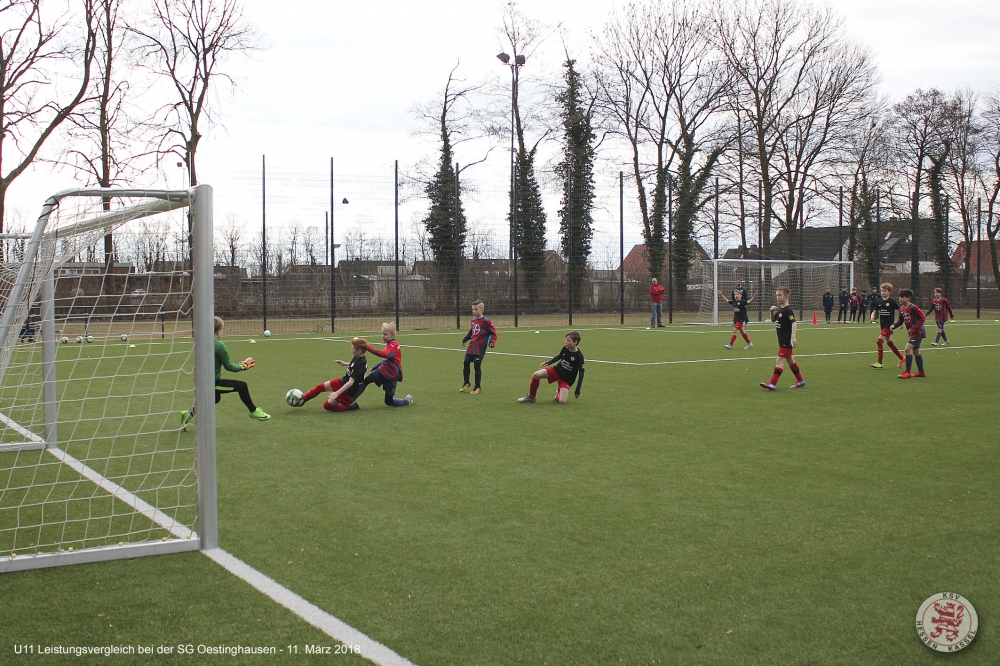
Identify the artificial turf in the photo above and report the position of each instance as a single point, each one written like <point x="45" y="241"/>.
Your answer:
<point x="673" y="503"/>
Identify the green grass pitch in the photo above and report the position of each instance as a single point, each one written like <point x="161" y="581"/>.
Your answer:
<point x="675" y="514"/>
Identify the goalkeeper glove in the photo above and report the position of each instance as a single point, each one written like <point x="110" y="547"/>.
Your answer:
<point x="248" y="363"/>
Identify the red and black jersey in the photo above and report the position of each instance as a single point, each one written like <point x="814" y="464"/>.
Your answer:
<point x="942" y="310"/>
<point x="886" y="308"/>
<point x="913" y="317"/>
<point x="480" y="336"/>
<point x="855" y="300"/>
<point x="568" y="365"/>
<point x="783" y="320"/>
<point x="392" y="367"/>
<point x="355" y="370"/>
<point x="739" y="308"/>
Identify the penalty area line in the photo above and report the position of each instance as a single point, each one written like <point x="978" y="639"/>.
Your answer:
<point x="336" y="629"/>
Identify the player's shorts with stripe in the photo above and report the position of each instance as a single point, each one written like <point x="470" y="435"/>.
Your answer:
<point x="553" y="377"/>
<point x="785" y="352"/>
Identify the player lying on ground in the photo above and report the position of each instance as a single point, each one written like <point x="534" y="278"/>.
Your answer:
<point x="344" y="390"/>
<point x="390" y="371"/>
<point x="783" y="317"/>
<point x="228" y="385"/>
<point x="564" y="369"/>
<point x="480" y="336"/>
<point x="911" y="315"/>
<point x="942" y="310"/>
<point x="885" y="309"/>
<point x="739" y="303"/>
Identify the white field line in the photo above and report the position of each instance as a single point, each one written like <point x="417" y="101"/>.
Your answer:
<point x="19" y="429"/>
<point x="696" y="360"/>
<point x="369" y="649"/>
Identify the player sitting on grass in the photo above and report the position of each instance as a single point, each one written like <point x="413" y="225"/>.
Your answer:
<point x="783" y="317"/>
<point x="565" y="368"/>
<point x="480" y="336"/>
<point x="942" y="310"/>
<point x="390" y="371"/>
<point x="885" y="309"/>
<point x="911" y="315"/>
<point x="228" y="385"/>
<point x="739" y="303"/>
<point x="346" y="389"/>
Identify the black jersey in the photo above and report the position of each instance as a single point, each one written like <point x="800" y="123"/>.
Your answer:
<point x="356" y="369"/>
<point x="739" y="294"/>
<point x="783" y="320"/>
<point x="568" y="364"/>
<point x="887" y="309"/>
<point x="739" y="309"/>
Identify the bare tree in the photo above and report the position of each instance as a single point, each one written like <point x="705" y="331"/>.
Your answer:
<point x="187" y="42"/>
<point x="966" y="171"/>
<point x="32" y="51"/>
<point x="990" y="179"/>
<point x="232" y="238"/>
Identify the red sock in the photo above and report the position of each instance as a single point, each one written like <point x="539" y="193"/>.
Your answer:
<point x="533" y="387"/>
<point x="795" y="369"/>
<point x="776" y="376"/>
<point x="733" y="339"/>
<point x="314" y="391"/>
<point x="745" y="337"/>
<point x="881" y="349"/>
<point x="335" y="407"/>
<point x="895" y="350"/>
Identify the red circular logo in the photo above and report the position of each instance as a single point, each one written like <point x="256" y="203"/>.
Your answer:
<point x="947" y="622"/>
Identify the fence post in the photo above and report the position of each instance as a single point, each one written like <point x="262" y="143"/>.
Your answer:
<point x="760" y="247"/>
<point x="716" y="229"/>
<point x="458" y="257"/>
<point x="621" y="242"/>
<point x="947" y="242"/>
<point x="670" y="250"/>
<point x="878" y="237"/>
<point x="395" y="204"/>
<point x="333" y="260"/>
<point x="263" y="237"/>
<point x="569" y="230"/>
<point x="979" y="255"/>
<point x="513" y="229"/>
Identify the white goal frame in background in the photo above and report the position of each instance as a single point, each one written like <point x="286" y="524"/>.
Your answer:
<point x="776" y="266"/>
<point x="36" y="266"/>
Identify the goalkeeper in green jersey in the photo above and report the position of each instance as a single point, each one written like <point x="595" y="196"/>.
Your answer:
<point x="228" y="385"/>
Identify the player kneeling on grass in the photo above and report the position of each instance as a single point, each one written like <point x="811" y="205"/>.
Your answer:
<point x="228" y="385"/>
<point x="911" y="315"/>
<point x="390" y="371"/>
<point x="739" y="303"/>
<point x="783" y="317"/>
<point x="481" y="335"/>
<point x="344" y="390"/>
<point x="565" y="368"/>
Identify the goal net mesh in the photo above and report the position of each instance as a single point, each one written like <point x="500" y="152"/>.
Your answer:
<point x="807" y="280"/>
<point x="110" y="466"/>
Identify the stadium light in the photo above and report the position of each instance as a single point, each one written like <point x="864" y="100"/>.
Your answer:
<point x="504" y="58"/>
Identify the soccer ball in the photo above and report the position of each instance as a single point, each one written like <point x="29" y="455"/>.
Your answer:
<point x="64" y="339"/>
<point x="79" y="339"/>
<point x="124" y="337"/>
<point x="90" y="338"/>
<point x="294" y="398"/>
<point x="267" y="332"/>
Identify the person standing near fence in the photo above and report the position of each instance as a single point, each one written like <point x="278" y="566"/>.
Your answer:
<point x="656" y="304"/>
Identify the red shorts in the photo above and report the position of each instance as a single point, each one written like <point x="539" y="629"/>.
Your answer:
<point x="784" y="353"/>
<point x="344" y="399"/>
<point x="738" y="325"/>
<point x="886" y="333"/>
<point x="553" y="377"/>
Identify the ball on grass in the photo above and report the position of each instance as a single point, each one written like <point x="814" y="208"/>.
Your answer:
<point x="64" y="339"/>
<point x="90" y="338"/>
<point x="294" y="398"/>
<point x="79" y="339"/>
<point x="124" y="337"/>
<point x="267" y="332"/>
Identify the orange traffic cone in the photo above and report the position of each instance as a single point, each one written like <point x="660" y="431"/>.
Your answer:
<point x="815" y="320"/>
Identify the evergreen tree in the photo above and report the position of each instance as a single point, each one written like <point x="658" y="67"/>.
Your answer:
<point x="577" y="171"/>
<point x="529" y="227"/>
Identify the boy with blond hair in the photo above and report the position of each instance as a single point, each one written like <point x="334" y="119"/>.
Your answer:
<point x="344" y="390"/>
<point x="481" y="335"/>
<point x="390" y="371"/>
<point x="783" y="317"/>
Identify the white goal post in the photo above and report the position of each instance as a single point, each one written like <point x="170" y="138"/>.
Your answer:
<point x="99" y="354"/>
<point x="808" y="280"/>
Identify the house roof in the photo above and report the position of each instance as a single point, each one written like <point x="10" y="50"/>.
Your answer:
<point x="972" y="253"/>
<point x="817" y="244"/>
<point x="637" y="260"/>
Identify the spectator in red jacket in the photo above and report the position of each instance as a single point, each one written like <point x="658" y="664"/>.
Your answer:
<point x="656" y="304"/>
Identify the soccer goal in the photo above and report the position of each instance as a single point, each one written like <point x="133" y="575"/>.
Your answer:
<point x="100" y="351"/>
<point x="808" y="280"/>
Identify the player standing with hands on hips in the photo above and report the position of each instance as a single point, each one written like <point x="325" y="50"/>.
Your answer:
<point x="783" y="317"/>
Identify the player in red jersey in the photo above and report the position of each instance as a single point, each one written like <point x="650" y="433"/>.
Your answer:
<point x="885" y="309"/>
<point x="390" y="371"/>
<point x="739" y="303"/>
<point x="564" y="369"/>
<point x="855" y="300"/>
<point x="344" y="391"/>
<point x="942" y="310"/>
<point x="481" y="335"/>
<point x="784" y="321"/>
<point x="911" y="315"/>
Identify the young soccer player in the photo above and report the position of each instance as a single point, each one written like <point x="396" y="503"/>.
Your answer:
<point x="845" y="300"/>
<point x="344" y="391"/>
<point x="390" y="371"/>
<point x="783" y="317"/>
<point x="885" y="309"/>
<point x="739" y="304"/>
<point x="862" y="306"/>
<point x="565" y="368"/>
<point x="228" y="385"/>
<point x="911" y="315"/>
<point x="854" y="299"/>
<point x="872" y="302"/>
<point x="942" y="310"/>
<point x="828" y="304"/>
<point x="481" y="335"/>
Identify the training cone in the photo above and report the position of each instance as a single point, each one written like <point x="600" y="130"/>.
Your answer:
<point x="815" y="320"/>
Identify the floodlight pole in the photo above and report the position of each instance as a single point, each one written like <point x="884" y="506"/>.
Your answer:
<point x="621" y="243"/>
<point x="979" y="255"/>
<point x="263" y="237"/>
<point x="395" y="204"/>
<point x="518" y="60"/>
<point x="458" y="257"/>
<point x="333" y="261"/>
<point x="947" y="243"/>
<point x="670" y="250"/>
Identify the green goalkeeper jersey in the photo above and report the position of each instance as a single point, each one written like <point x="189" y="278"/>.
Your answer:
<point x="222" y="360"/>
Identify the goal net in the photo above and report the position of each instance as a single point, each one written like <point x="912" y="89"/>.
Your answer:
<point x="106" y="331"/>
<point x="807" y="280"/>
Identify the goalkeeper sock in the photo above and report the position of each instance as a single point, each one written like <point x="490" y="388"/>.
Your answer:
<point x="533" y="387"/>
<point x="795" y="369"/>
<point x="776" y="376"/>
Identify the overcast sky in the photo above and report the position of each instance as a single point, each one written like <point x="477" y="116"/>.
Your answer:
<point x="338" y="79"/>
